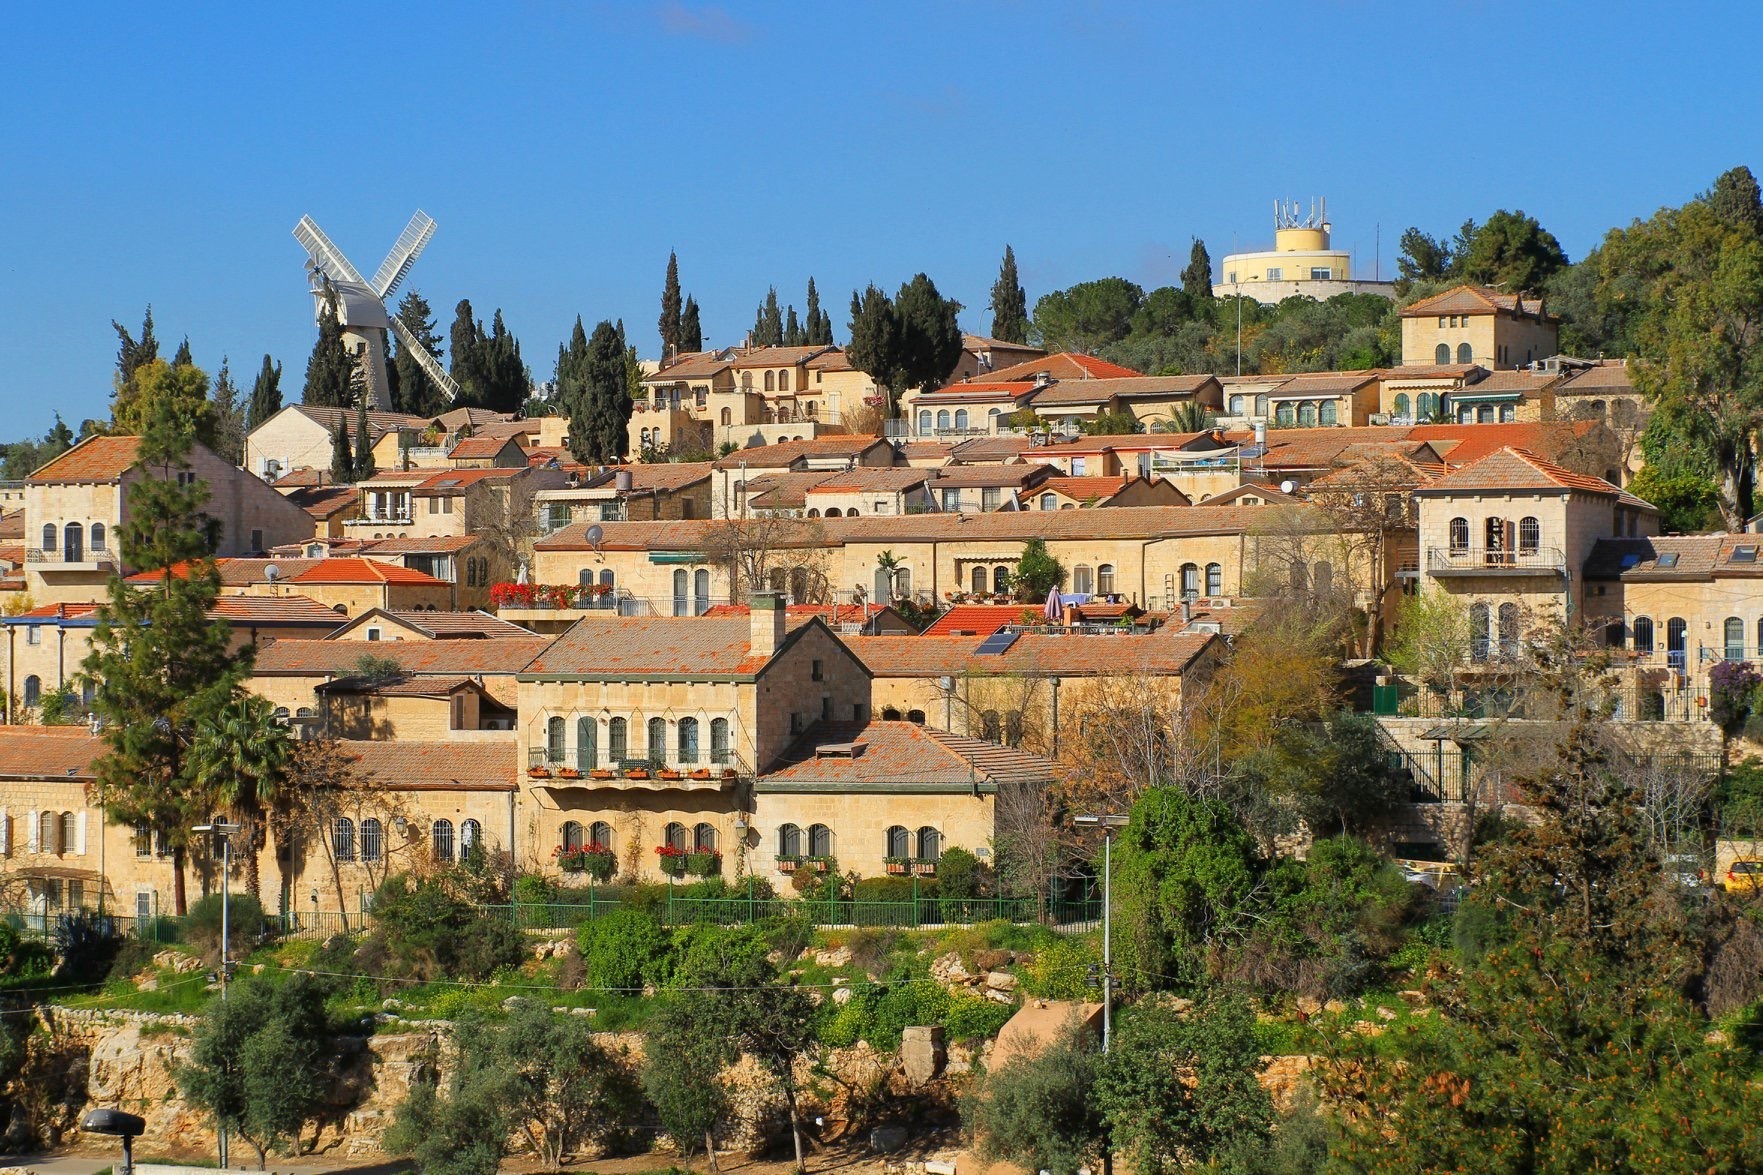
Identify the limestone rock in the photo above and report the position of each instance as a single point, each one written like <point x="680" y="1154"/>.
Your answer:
<point x="885" y="1139"/>
<point x="922" y="1054"/>
<point x="1334" y="1007"/>
<point x="1001" y="980"/>
<point x="1308" y="1005"/>
<point x="841" y="996"/>
<point x="1386" y="1014"/>
<point x="948" y="969"/>
<point x="835" y="957"/>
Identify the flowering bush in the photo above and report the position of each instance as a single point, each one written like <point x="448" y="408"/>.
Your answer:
<point x="513" y="595"/>
<point x="1732" y="688"/>
<point x="673" y="860"/>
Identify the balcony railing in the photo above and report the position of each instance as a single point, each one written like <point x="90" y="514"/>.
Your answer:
<point x="618" y="764"/>
<point x="1495" y="561"/>
<point x="84" y="558"/>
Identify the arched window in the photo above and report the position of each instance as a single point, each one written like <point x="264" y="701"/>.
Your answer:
<point x="1478" y="632"/>
<point x="770" y="382"/>
<point x="1105" y="579"/>
<point x="1306" y="415"/>
<point x="813" y="512"/>
<point x="48" y="540"/>
<point x="1530" y="536"/>
<point x="1735" y="639"/>
<point x="585" y="577"/>
<point x="607" y="580"/>
<point x="899" y="841"/>
<point x="1000" y="579"/>
<point x="833" y="512"/>
<point x="704" y="838"/>
<point x="471" y="835"/>
<point x="1261" y="406"/>
<point x="1484" y="414"/>
<point x="1464" y="354"/>
<point x="1236" y="404"/>
<point x="1049" y="502"/>
<point x="942" y="419"/>
<point x="977" y="578"/>
<point x="1675" y="629"/>
<point x="49" y="833"/>
<point x="1329" y="414"/>
<point x="890" y="714"/>
<point x="600" y="836"/>
<point x="681" y="586"/>
<point x="554" y="735"/>
<point x="1322" y="576"/>
<point x="587" y="744"/>
<point x="1190" y="580"/>
<point x="33" y="690"/>
<point x="674" y="836"/>
<point x="923" y="421"/>
<point x="1082" y="579"/>
<point x="1401" y="405"/>
<point x="1508" y="630"/>
<point x="789" y="841"/>
<point x="657" y="741"/>
<point x="97" y="536"/>
<point x="700" y="592"/>
<point x="688" y="740"/>
<point x="992" y="418"/>
<point x="572" y="837"/>
<point x="1642" y="640"/>
<point x="343" y="839"/>
<point x="916" y="717"/>
<point x="1214" y="579"/>
<point x="726" y="417"/>
<point x="1284" y="416"/>
<point x="373" y="840"/>
<point x="1494" y="530"/>
<point x="783" y="381"/>
<point x="960" y="418"/>
<point x="73" y="543"/>
<point x="1442" y="354"/>
<point x="441" y="840"/>
<point x="719" y="749"/>
<point x="820" y="840"/>
<point x="1459" y="535"/>
<point x="1426" y="406"/>
<point x="930" y="844"/>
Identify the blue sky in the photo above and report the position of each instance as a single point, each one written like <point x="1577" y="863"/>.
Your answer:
<point x="163" y="156"/>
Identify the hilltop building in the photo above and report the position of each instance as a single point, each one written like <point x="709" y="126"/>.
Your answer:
<point x="1302" y="262"/>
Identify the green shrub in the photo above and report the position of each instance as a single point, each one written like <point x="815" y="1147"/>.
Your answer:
<point x="962" y="875"/>
<point x="488" y="942"/>
<point x="705" y="955"/>
<point x="532" y="889"/>
<point x="244" y="915"/>
<point x="891" y="889"/>
<point x="1063" y="970"/>
<point x="625" y="950"/>
<point x="972" y="1017"/>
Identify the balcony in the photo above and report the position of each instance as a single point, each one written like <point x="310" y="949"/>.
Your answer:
<point x="1495" y="561"/>
<point x="686" y="770"/>
<point x="59" y="559"/>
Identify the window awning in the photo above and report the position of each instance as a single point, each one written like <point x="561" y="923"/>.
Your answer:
<point x="1486" y="397"/>
<point x="677" y="557"/>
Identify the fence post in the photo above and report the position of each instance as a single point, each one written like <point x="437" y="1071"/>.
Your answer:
<point x="670" y="899"/>
<point x="916" y="920"/>
<point x="752" y="915"/>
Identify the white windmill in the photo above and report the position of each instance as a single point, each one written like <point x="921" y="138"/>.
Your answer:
<point x="361" y="304"/>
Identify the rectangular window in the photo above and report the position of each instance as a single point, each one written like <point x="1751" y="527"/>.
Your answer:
<point x="858" y="713"/>
<point x="446" y="505"/>
<point x="951" y="500"/>
<point x="879" y="508"/>
<point x="257" y="540"/>
<point x="434" y="505"/>
<point x="826" y="707"/>
<point x="33" y="634"/>
<point x="1275" y="273"/>
<point x="1077" y="467"/>
<point x="795" y="724"/>
<point x="816" y="671"/>
<point x="1320" y="275"/>
<point x="988" y="498"/>
<point x="1441" y="322"/>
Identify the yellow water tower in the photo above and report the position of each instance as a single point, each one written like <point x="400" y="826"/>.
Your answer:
<point x="1301" y="262"/>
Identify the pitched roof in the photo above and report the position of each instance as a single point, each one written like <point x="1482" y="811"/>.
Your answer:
<point x="236" y="572"/>
<point x="785" y="453"/>
<point x="433" y="545"/>
<point x="656" y="476"/>
<point x="305" y="477"/>
<point x="1323" y="383"/>
<point x="1063" y="365"/>
<point x="663" y="646"/>
<point x="1014" y="476"/>
<point x="1472" y="299"/>
<point x="865" y="479"/>
<point x="1166" y="652"/>
<point x="324" y="502"/>
<point x="1084" y="489"/>
<point x="360" y="570"/>
<point x="457" y="765"/>
<point x="52" y="613"/>
<point x="691" y="365"/>
<point x="1524" y="382"/>
<point x="1516" y="469"/>
<point x="452" y="481"/>
<point x="246" y="610"/>
<point x="798" y="613"/>
<point x="775" y="356"/>
<point x="980" y="620"/>
<point x="59" y="753"/>
<point x="1084" y="391"/>
<point x="881" y="755"/>
<point x="972" y="342"/>
<point x="96" y="458"/>
<point x="786" y="490"/>
<point x="479" y="448"/>
<point x="1639" y="559"/>
<point x="399" y="687"/>
<point x="455" y="419"/>
<point x="990" y="450"/>
<point x="455" y="625"/>
<point x="1606" y="376"/>
<point x="339" y="657"/>
<point x="378" y="423"/>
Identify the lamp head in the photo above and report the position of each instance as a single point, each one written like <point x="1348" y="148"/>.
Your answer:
<point x="113" y="1122"/>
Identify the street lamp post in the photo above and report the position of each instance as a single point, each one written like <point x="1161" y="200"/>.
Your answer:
<point x="223" y="832"/>
<point x="1107" y="823"/>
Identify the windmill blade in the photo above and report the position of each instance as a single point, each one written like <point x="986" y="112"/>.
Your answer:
<point x="405" y="251"/>
<point x="413" y="346"/>
<point x="327" y="256"/>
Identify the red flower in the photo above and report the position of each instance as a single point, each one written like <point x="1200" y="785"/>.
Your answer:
<point x="669" y="851"/>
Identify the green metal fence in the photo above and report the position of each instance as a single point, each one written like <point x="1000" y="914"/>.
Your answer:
<point x="679" y="910"/>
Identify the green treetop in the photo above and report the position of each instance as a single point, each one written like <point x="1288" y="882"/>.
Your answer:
<point x="671" y="309"/>
<point x="1196" y="279"/>
<point x="1009" y="304"/>
<point x="266" y="393"/>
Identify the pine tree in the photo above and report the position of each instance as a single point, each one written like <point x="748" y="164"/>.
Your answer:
<point x="671" y="326"/>
<point x="342" y="453"/>
<point x="164" y="669"/>
<point x="183" y="358"/>
<point x="691" y="334"/>
<point x="768" y="323"/>
<point x="413" y="391"/>
<point x="1196" y="279"/>
<point x="330" y="369"/>
<point x="910" y="341"/>
<point x="571" y="383"/>
<point x="364" y="466"/>
<point x="133" y="353"/>
<point x="605" y="398"/>
<point x="1009" y="303"/>
<point x="229" y="413"/>
<point x="266" y="393"/>
<point x="793" y="334"/>
<point x="817" y="330"/>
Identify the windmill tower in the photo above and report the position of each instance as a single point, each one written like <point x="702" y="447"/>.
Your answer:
<point x="361" y="304"/>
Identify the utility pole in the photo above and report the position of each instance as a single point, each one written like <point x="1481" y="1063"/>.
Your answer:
<point x="224" y="832"/>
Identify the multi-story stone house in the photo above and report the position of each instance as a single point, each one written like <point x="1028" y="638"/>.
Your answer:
<point x="1475" y="324"/>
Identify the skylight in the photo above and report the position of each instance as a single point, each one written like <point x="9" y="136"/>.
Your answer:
<point x="1669" y="559"/>
<point x="997" y="643"/>
<point x="1629" y="561"/>
<point x="1744" y="554"/>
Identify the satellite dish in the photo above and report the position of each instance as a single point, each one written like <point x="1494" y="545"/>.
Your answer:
<point x="271" y="572"/>
<point x="1287" y="486"/>
<point x="594" y="535"/>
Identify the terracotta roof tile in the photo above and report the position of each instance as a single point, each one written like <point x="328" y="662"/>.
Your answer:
<point x="877" y="755"/>
<point x="378" y="423"/>
<point x="236" y="572"/>
<point x="468" y="765"/>
<point x="786" y="453"/>
<point x="97" y="459"/>
<point x="980" y="620"/>
<point x="657" y="476"/>
<point x="433" y="545"/>
<point x="462" y="624"/>
<point x="775" y="356"/>
<point x="1472" y="299"/>
<point x="1166" y="652"/>
<point x="359" y="570"/>
<point x="671" y="646"/>
<point x="48" y="753"/>
<point x="324" y="502"/>
<point x="692" y="365"/>
<point x="301" y="610"/>
<point x="339" y="657"/>
<point x="458" y="480"/>
<point x="1516" y="469"/>
<point x="478" y="448"/>
<point x="1063" y="365"/>
<point x="1013" y="476"/>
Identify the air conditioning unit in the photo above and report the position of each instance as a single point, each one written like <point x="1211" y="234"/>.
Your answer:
<point x="1211" y="626"/>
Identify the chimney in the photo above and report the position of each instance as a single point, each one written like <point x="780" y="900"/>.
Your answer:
<point x="765" y="615"/>
<point x="1187" y="609"/>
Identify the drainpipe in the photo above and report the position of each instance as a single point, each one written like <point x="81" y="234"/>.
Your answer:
<point x="513" y="861"/>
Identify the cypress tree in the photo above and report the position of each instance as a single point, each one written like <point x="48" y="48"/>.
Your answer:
<point x="466" y="347"/>
<point x="606" y="398"/>
<point x="1009" y="303"/>
<point x="164" y="669"/>
<point x="229" y="414"/>
<point x="1196" y="279"/>
<point x="133" y="354"/>
<point x="183" y="358"/>
<point x="266" y="393"/>
<point x="330" y="370"/>
<point x="507" y="384"/>
<point x="818" y="325"/>
<point x="691" y="334"/>
<point x="571" y="382"/>
<point x="768" y="323"/>
<point x="413" y="391"/>
<point x="342" y="453"/>
<point x="364" y="467"/>
<point x="793" y="334"/>
<point x="670" y="324"/>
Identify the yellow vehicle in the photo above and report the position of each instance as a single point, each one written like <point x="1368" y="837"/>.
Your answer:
<point x="1745" y="874"/>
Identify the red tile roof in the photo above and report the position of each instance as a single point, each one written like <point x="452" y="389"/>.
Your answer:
<point x="235" y="572"/>
<point x="272" y="610"/>
<point x="359" y="570"/>
<point x="980" y="619"/>
<point x="324" y="502"/>
<point x="786" y="453"/>
<point x="459" y="479"/>
<point x="1472" y="299"/>
<point x="1166" y="652"/>
<point x="879" y="756"/>
<point x="1063" y="365"/>
<point x="479" y="448"/>
<point x="50" y="753"/>
<point x="775" y="356"/>
<point x="459" y="765"/>
<point x="318" y="658"/>
<point x="53" y="612"/>
<point x="1517" y="469"/>
<point x="96" y="459"/>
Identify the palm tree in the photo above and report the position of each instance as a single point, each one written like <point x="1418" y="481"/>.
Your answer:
<point x="242" y="759"/>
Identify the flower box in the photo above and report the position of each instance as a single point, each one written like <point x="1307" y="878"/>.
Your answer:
<point x="816" y="864"/>
<point x="788" y="864"/>
<point x="924" y="868"/>
<point x="600" y="866"/>
<point x="570" y="862"/>
<point x="897" y="867"/>
<point x="703" y="864"/>
<point x="600" y="773"/>
<point x="569" y="773"/>
<point x="700" y="773"/>
<point x="539" y="772"/>
<point x="728" y="773"/>
<point x="637" y="773"/>
<point x="673" y="861"/>
<point x="669" y="773"/>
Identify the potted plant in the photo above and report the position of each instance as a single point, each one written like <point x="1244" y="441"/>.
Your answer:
<point x="897" y="864"/>
<point x="700" y="773"/>
<point x="788" y="864"/>
<point x="669" y="773"/>
<point x="703" y="862"/>
<point x="600" y="862"/>
<point x="816" y="864"/>
<point x="636" y="773"/>
<point x="568" y="773"/>
<point x="569" y="860"/>
<point x="924" y="868"/>
<point x="540" y="772"/>
<point x="673" y="861"/>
